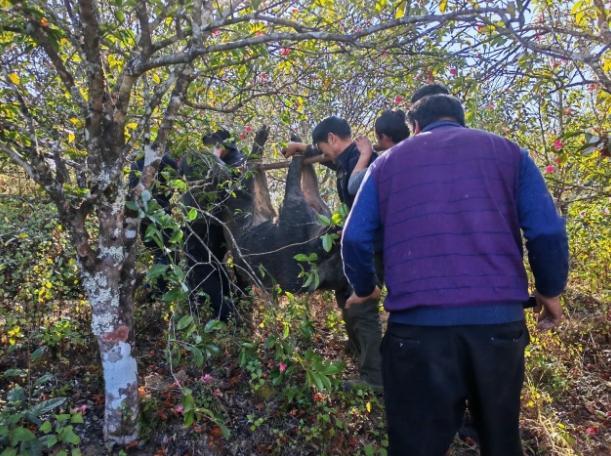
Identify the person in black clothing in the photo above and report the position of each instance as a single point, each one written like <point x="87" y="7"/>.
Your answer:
<point x="224" y="147"/>
<point x="390" y="129"/>
<point x="333" y="138"/>
<point x="162" y="195"/>
<point x="205" y="245"/>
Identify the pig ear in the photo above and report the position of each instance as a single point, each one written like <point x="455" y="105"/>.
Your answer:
<point x="295" y="137"/>
<point x="260" y="140"/>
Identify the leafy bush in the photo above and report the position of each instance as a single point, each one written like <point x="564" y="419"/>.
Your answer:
<point x="37" y="262"/>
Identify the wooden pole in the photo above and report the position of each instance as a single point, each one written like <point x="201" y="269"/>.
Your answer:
<point x="286" y="163"/>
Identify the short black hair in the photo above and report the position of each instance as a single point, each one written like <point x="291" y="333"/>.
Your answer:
<point x="429" y="89"/>
<point x="435" y="107"/>
<point x="333" y="124"/>
<point x="217" y="137"/>
<point x="392" y="124"/>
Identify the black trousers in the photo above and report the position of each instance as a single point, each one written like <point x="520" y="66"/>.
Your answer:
<point x="430" y="372"/>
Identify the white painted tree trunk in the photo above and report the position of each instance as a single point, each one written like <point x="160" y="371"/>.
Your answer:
<point x="121" y="414"/>
<point x="111" y="323"/>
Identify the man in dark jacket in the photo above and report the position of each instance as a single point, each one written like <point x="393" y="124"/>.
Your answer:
<point x="162" y="194"/>
<point x="451" y="204"/>
<point x="333" y="138"/>
<point x="205" y="245"/>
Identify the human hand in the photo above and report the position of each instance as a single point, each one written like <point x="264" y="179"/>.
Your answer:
<point x="293" y="148"/>
<point x="364" y="146"/>
<point x="552" y="312"/>
<point x="356" y="300"/>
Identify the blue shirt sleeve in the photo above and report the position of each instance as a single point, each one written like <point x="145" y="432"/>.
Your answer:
<point x="354" y="183"/>
<point x="358" y="239"/>
<point x="544" y="230"/>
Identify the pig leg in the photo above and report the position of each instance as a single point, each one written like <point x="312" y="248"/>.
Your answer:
<point x="295" y="209"/>
<point x="262" y="210"/>
<point x="309" y="187"/>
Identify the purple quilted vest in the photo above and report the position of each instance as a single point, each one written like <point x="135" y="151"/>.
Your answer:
<point x="448" y="206"/>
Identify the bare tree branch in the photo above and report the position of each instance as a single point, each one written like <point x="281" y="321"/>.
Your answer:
<point x="189" y="55"/>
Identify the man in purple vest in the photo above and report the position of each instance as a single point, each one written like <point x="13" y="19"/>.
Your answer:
<point x="451" y="204"/>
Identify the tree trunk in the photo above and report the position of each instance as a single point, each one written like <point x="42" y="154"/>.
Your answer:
<point x="108" y="280"/>
<point x="112" y="325"/>
<point x="121" y="411"/>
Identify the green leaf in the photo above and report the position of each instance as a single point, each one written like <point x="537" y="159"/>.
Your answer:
<point x="213" y="325"/>
<point x="317" y="381"/>
<point x="198" y="356"/>
<point x="301" y="257"/>
<point x="308" y="281"/>
<point x="324" y="219"/>
<point x="184" y="322"/>
<point x="46" y="427"/>
<point x="326" y="382"/>
<point x="48" y="441"/>
<point x="9" y="373"/>
<point x="39" y="353"/>
<point x="176" y="237"/>
<point x="62" y="417"/>
<point x="44" y="379"/>
<point x="316" y="283"/>
<point x="67" y="435"/>
<point x="179" y="185"/>
<point x="192" y="214"/>
<point x="46" y="406"/>
<point x="77" y="418"/>
<point x="327" y="242"/>
<point x="157" y="271"/>
<point x="187" y="401"/>
<point x="188" y="419"/>
<point x="16" y="394"/>
<point x="262" y="271"/>
<point x="21" y="434"/>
